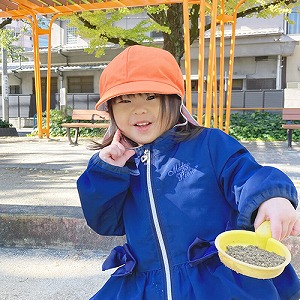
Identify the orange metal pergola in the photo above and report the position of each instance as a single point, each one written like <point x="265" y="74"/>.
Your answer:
<point x="212" y="108"/>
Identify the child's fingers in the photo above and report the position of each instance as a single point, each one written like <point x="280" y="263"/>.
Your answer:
<point x="278" y="232"/>
<point x="260" y="217"/>
<point x="117" y="136"/>
<point x="296" y="228"/>
<point x="116" y="151"/>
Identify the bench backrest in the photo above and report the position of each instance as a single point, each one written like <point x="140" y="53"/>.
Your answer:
<point x="90" y="114"/>
<point x="291" y="114"/>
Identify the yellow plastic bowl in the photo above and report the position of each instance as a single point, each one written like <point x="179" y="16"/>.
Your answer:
<point x="261" y="238"/>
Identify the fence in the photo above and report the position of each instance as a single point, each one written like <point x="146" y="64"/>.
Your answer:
<point x="268" y="100"/>
<point x="24" y="106"/>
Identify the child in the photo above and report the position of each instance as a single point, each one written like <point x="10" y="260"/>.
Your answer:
<point x="172" y="186"/>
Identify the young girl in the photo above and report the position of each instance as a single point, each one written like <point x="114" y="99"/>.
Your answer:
<point x="172" y="186"/>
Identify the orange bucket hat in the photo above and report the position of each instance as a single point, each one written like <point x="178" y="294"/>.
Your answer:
<point x="141" y="69"/>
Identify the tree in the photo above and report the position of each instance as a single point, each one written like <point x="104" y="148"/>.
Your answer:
<point x="100" y="27"/>
<point x="7" y="40"/>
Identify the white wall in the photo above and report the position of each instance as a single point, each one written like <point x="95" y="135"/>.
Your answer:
<point x="293" y="63"/>
<point x="257" y="24"/>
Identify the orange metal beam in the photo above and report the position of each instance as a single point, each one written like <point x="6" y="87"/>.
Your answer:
<point x="46" y="7"/>
<point x="8" y="5"/>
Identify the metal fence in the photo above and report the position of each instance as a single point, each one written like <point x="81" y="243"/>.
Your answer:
<point x="267" y="100"/>
<point x="24" y="106"/>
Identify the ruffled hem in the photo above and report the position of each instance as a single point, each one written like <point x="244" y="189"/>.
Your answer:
<point x="203" y="276"/>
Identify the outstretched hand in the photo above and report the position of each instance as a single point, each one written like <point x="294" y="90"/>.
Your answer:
<point x="282" y="216"/>
<point x="116" y="154"/>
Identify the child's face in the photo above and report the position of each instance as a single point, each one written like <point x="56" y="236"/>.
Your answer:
<point x="138" y="117"/>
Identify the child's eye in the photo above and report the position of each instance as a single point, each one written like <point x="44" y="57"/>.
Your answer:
<point x="123" y="101"/>
<point x="151" y="97"/>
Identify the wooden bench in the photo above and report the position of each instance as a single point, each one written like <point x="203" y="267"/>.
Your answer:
<point x="98" y="119"/>
<point x="289" y="115"/>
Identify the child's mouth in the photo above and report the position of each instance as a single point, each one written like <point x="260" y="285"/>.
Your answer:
<point x="144" y="124"/>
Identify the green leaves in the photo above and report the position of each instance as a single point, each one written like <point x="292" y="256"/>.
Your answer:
<point x="7" y="38"/>
<point x="259" y="126"/>
<point x="5" y="124"/>
<point x="104" y="27"/>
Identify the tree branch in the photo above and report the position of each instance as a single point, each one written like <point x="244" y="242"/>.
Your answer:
<point x="114" y="40"/>
<point x="5" y="22"/>
<point x="260" y="8"/>
<point x="85" y="22"/>
<point x="257" y="9"/>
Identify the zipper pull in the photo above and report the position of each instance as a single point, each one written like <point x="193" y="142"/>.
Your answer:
<point x="145" y="156"/>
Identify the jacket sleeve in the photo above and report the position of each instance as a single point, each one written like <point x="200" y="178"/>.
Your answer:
<point x="245" y="183"/>
<point x="102" y="191"/>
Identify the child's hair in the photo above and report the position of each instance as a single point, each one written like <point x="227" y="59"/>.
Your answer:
<point x="170" y="110"/>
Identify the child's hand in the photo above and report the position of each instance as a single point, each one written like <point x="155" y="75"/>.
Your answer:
<point x="116" y="154"/>
<point x="282" y="216"/>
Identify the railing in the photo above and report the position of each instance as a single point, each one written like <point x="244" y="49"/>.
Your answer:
<point x="23" y="106"/>
<point x="251" y="100"/>
<point x="80" y="100"/>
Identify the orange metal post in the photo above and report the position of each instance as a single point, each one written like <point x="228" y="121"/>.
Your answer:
<point x="48" y="95"/>
<point x="36" y="31"/>
<point x="215" y="90"/>
<point x="222" y="68"/>
<point x="201" y="60"/>
<point x="187" y="49"/>
<point x="48" y="92"/>
<point x="231" y="61"/>
<point x="212" y="49"/>
<point x="37" y="76"/>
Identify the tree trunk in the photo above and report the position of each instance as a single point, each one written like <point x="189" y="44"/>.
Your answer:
<point x="174" y="42"/>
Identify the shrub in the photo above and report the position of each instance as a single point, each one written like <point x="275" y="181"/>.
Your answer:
<point x="5" y="124"/>
<point x="259" y="126"/>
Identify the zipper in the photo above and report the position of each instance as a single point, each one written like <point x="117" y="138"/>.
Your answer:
<point x="146" y="158"/>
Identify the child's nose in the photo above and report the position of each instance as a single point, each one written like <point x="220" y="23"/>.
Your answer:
<point x="140" y="109"/>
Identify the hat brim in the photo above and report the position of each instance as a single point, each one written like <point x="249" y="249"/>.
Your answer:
<point x="139" y="87"/>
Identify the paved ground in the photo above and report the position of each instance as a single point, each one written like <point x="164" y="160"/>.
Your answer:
<point x="46" y="249"/>
<point x="44" y="171"/>
<point x="35" y="274"/>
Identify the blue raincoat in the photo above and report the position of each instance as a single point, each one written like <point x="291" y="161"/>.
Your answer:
<point x="171" y="200"/>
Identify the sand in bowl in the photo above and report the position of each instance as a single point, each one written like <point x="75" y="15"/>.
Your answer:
<point x="254" y="255"/>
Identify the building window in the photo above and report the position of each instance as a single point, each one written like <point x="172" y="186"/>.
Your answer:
<point x="82" y="84"/>
<point x="14" y="89"/>
<point x="294" y="16"/>
<point x="72" y="35"/>
<point x="53" y="88"/>
<point x="237" y="84"/>
<point x="261" y="84"/>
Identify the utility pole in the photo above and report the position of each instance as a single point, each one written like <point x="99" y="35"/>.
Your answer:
<point x="5" y="106"/>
